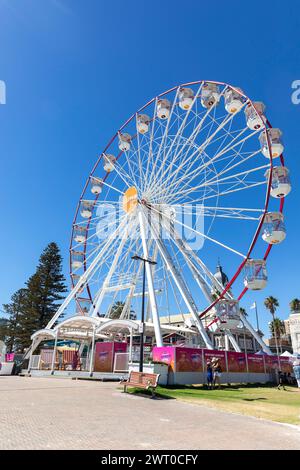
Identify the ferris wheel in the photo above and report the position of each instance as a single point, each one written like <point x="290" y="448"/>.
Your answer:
<point x="194" y="175"/>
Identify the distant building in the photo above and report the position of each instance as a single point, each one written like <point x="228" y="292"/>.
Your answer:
<point x="284" y="341"/>
<point x="242" y="336"/>
<point x="294" y="328"/>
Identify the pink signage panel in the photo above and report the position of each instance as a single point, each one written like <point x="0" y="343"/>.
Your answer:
<point x="165" y="354"/>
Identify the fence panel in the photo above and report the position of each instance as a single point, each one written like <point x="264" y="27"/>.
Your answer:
<point x="121" y="362"/>
<point x="35" y="361"/>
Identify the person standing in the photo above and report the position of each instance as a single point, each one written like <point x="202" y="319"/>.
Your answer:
<point x="209" y="375"/>
<point x="217" y="370"/>
<point x="296" y="368"/>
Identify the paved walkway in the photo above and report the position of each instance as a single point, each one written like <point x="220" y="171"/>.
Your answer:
<point x="52" y="413"/>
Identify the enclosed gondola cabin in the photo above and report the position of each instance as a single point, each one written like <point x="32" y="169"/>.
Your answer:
<point x="234" y="101"/>
<point x="210" y="94"/>
<point x="276" y="145"/>
<point x="77" y="259"/>
<point x="79" y="233"/>
<point x="163" y="109"/>
<point x="255" y="115"/>
<point x="226" y="315"/>
<point x="255" y="274"/>
<point x="280" y="182"/>
<point x="124" y="142"/>
<point x="86" y="209"/>
<point x="96" y="185"/>
<point x="109" y="162"/>
<point x="186" y="98"/>
<point x="143" y="122"/>
<point x="273" y="229"/>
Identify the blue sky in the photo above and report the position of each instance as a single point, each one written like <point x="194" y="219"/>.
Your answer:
<point x="76" y="69"/>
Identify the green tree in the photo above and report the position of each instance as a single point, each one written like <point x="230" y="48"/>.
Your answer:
<point x="276" y="326"/>
<point x="3" y="328"/>
<point x="44" y="290"/>
<point x="14" y="310"/>
<point x="271" y="304"/>
<point x="116" y="310"/>
<point x="295" y="305"/>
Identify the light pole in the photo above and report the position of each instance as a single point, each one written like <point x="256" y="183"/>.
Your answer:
<point x="144" y="260"/>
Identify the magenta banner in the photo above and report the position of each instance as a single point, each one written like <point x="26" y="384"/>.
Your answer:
<point x="271" y="364"/>
<point x="188" y="360"/>
<point x="255" y="363"/>
<point x="9" y="357"/>
<point x="236" y="362"/>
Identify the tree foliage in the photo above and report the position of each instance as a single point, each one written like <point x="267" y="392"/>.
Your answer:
<point x="31" y="308"/>
<point x="271" y="304"/>
<point x="116" y="310"/>
<point x="277" y="327"/>
<point x="295" y="305"/>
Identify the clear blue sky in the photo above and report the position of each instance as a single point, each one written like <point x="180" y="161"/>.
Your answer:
<point x="76" y="69"/>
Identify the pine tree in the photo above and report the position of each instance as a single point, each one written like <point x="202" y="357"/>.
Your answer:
<point x="3" y="329"/>
<point x="46" y="286"/>
<point x="44" y="290"/>
<point x="14" y="310"/>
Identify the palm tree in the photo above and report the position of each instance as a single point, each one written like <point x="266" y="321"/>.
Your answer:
<point x="271" y="304"/>
<point x="295" y="305"/>
<point x="278" y="326"/>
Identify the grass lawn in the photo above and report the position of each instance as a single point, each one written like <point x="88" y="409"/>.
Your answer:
<point x="260" y="401"/>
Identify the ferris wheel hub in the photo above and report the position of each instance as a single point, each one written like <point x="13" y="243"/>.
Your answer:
<point x="130" y="199"/>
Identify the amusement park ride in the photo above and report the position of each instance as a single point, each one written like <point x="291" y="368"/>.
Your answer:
<point x="196" y="173"/>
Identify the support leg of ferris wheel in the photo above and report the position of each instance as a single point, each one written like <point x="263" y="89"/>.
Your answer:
<point x="152" y="299"/>
<point x="232" y="340"/>
<point x="186" y="295"/>
<point x="255" y="334"/>
<point x="110" y="273"/>
<point x="153" y="267"/>
<point x="85" y="276"/>
<point x="127" y="305"/>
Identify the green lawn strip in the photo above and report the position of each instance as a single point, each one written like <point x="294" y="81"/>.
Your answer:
<point x="263" y="401"/>
<point x="260" y="401"/>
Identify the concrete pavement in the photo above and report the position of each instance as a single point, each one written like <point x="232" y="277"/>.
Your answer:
<point x="52" y="413"/>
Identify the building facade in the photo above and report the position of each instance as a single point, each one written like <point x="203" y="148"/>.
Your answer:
<point x="294" y="327"/>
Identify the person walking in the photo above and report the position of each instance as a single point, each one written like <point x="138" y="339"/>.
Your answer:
<point x="280" y="381"/>
<point x="209" y="375"/>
